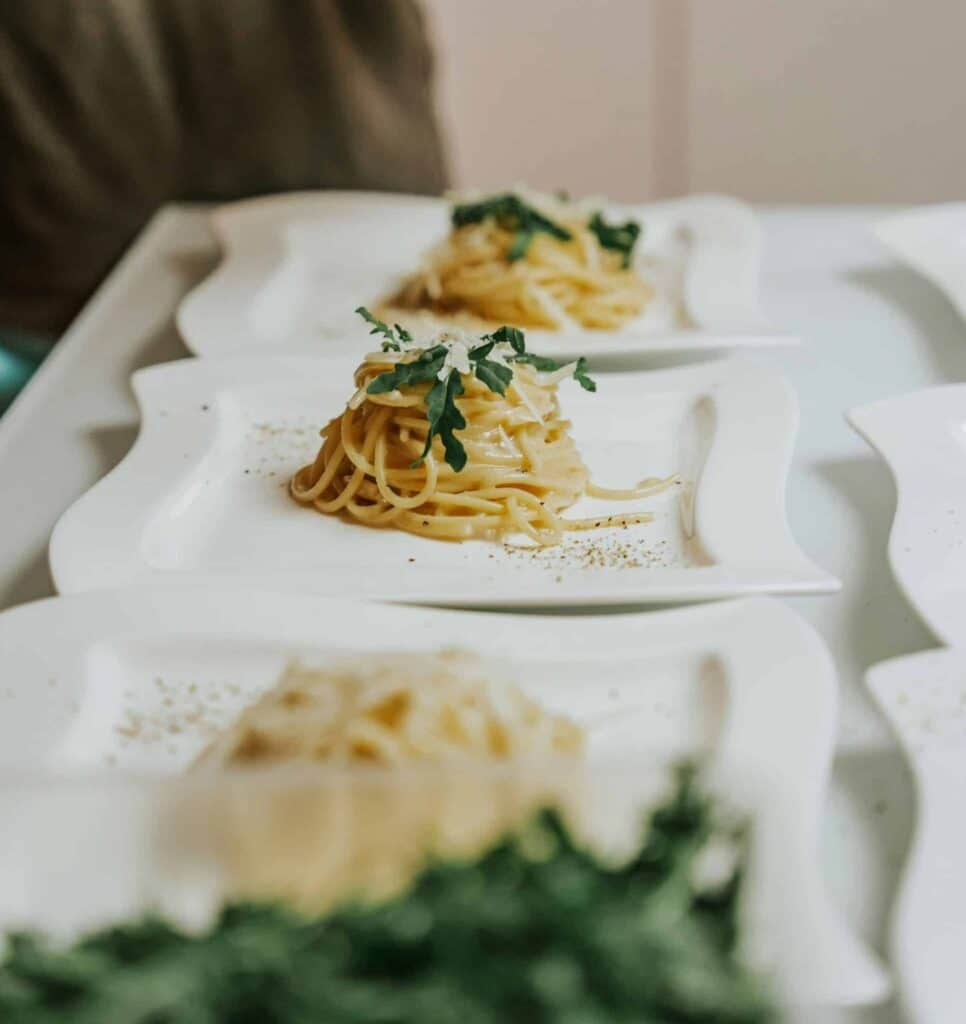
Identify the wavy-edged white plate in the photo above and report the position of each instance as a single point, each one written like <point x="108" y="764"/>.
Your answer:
<point x="138" y="680"/>
<point x="924" y="698"/>
<point x="931" y="240"/>
<point x="922" y="437"/>
<point x="202" y="496"/>
<point x="297" y="265"/>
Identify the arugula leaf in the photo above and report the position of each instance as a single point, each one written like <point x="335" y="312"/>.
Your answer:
<point x="435" y="401"/>
<point x="511" y="336"/>
<point x="494" y="375"/>
<point x="444" y="417"/>
<point x="451" y="419"/>
<point x="442" y="414"/>
<point x="580" y="376"/>
<point x="619" y="237"/>
<point x="390" y="341"/>
<point x="513" y="214"/>
<point x="545" y="365"/>
<point x="426" y="367"/>
<point x="541" y="363"/>
<point x="520" y="245"/>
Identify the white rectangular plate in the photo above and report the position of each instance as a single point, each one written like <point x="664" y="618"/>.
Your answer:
<point x="296" y="266"/>
<point x="924" y="697"/>
<point x="932" y="240"/>
<point x="138" y="681"/>
<point x="202" y="496"/>
<point x="922" y="437"/>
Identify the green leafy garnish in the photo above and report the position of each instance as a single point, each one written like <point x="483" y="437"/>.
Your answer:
<point x="536" y="929"/>
<point x="545" y="365"/>
<point x="429" y="366"/>
<point x="496" y="376"/>
<point x="619" y="237"/>
<point x="444" y="417"/>
<point x="513" y="214"/>
<point x="417" y="371"/>
<point x="511" y="336"/>
<point x="393" y="337"/>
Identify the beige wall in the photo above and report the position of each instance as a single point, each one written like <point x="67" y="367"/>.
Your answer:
<point x="829" y="99"/>
<point x="554" y="92"/>
<point x="811" y="100"/>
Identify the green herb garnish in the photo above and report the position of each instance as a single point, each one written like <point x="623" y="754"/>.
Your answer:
<point x="513" y="214"/>
<point x="537" y="930"/>
<point x="430" y="367"/>
<point x="393" y="337"/>
<point x="619" y="237"/>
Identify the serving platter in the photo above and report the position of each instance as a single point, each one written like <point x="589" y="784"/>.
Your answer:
<point x="296" y="266"/>
<point x="922" y="437"/>
<point x="202" y="496"/>
<point x="138" y="682"/>
<point x="924" y="698"/>
<point x="931" y="240"/>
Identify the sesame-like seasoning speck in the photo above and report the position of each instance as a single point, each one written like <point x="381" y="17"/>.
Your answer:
<point x="182" y="711"/>
<point x="610" y="551"/>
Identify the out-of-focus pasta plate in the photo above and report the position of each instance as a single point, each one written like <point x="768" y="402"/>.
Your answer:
<point x="139" y="679"/>
<point x="296" y="266"/>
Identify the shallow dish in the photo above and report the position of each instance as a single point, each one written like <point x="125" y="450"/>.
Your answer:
<point x="922" y="437"/>
<point x="139" y="680"/>
<point x="932" y="240"/>
<point x="924" y="698"/>
<point x="202" y="496"/>
<point x="296" y="266"/>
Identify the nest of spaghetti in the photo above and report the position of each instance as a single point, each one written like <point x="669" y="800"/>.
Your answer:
<point x="528" y="259"/>
<point x="460" y="439"/>
<point x="316" y="845"/>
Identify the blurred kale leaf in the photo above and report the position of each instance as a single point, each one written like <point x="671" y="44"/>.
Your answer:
<point x="537" y="930"/>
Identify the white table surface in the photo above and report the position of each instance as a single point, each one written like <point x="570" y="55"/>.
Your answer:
<point x="869" y="329"/>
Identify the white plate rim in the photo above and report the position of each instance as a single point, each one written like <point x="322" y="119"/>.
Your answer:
<point x="929" y="469"/>
<point x="252" y="236"/>
<point x="779" y="723"/>
<point x="739" y="508"/>
<point x="932" y="884"/>
<point x="920" y="237"/>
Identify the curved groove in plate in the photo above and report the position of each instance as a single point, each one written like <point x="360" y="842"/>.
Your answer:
<point x="924" y="698"/>
<point x="931" y="240"/>
<point x="778" y="729"/>
<point x="249" y="304"/>
<point x="108" y="537"/>
<point x="922" y="438"/>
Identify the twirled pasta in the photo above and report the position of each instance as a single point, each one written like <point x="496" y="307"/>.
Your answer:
<point x="557" y="284"/>
<point x="393" y="708"/>
<point x="523" y="468"/>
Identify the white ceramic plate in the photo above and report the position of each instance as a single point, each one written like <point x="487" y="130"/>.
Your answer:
<point x="138" y="681"/>
<point x="924" y="697"/>
<point x="932" y="240"/>
<point x="922" y="437"/>
<point x="202" y="497"/>
<point x="296" y="267"/>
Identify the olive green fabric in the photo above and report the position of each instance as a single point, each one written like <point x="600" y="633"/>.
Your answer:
<point x="109" y="108"/>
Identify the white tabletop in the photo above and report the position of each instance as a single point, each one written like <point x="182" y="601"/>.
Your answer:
<point x="869" y="329"/>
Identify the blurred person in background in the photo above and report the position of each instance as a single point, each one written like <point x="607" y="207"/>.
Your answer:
<point x="110" y="108"/>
